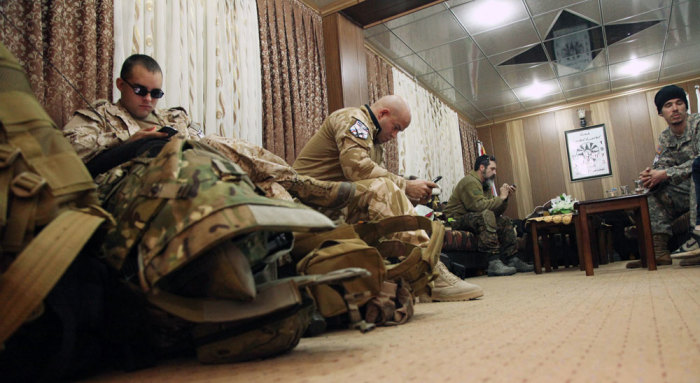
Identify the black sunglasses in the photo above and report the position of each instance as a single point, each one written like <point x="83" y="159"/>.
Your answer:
<point x="142" y="91"/>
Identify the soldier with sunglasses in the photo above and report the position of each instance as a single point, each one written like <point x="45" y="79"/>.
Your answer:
<point x="106" y="125"/>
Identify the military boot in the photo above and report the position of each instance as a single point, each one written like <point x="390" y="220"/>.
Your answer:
<point x="449" y="287"/>
<point x="661" y="252"/>
<point x="498" y="269"/>
<point x="520" y="266"/>
<point x="317" y="193"/>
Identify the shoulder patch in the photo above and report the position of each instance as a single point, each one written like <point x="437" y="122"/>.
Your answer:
<point x="659" y="149"/>
<point x="359" y="130"/>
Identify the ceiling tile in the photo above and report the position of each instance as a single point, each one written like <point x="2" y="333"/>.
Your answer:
<point x="679" y="62"/>
<point x="483" y="15"/>
<point x="634" y="81"/>
<point x="474" y="79"/>
<point x="390" y="45"/>
<point x="544" y="101"/>
<point x="414" y="65"/>
<point x="469" y="110"/>
<point x="434" y="81"/>
<point x="644" y="43"/>
<point x="684" y="69"/>
<point x="635" y="68"/>
<point x="682" y="14"/>
<point x="587" y="91"/>
<point x="489" y="99"/>
<point x="683" y="35"/>
<point x="538" y="6"/>
<point x="375" y="30"/>
<point x="502" y="110"/>
<point x="452" y="54"/>
<point x="450" y="95"/>
<point x="525" y="74"/>
<point x="588" y="10"/>
<point x="653" y="15"/>
<point x="504" y="39"/>
<point x="415" y="16"/>
<point x="615" y="10"/>
<point x="442" y="27"/>
<point x="584" y="79"/>
<point x="500" y="58"/>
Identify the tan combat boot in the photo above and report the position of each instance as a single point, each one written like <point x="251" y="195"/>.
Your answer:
<point x="661" y="252"/>
<point x="317" y="193"/>
<point x="449" y="287"/>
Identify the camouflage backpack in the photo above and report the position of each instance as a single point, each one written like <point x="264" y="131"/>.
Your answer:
<point x="48" y="204"/>
<point x="202" y="242"/>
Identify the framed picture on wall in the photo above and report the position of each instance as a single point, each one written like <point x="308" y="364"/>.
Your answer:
<point x="587" y="149"/>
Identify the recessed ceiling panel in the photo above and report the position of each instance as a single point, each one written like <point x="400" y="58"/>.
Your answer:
<point x="585" y="79"/>
<point x="503" y="110"/>
<point x="474" y="79"/>
<point x="415" y="16"/>
<point x="684" y="36"/>
<point x="437" y="29"/>
<point x="482" y="15"/>
<point x="544" y="101"/>
<point x="635" y="68"/>
<point x="537" y="90"/>
<point x="630" y="82"/>
<point x="564" y="68"/>
<point x="452" y="54"/>
<point x="537" y="7"/>
<point x="644" y="43"/>
<point x="525" y="74"/>
<point x="488" y="100"/>
<point x="682" y="14"/>
<point x="504" y="39"/>
<point x="679" y="62"/>
<point x="434" y="81"/>
<point x="615" y="10"/>
<point x="390" y="45"/>
<point x="414" y="64"/>
<point x="588" y="91"/>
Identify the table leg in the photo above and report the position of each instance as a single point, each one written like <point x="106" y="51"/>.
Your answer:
<point x="585" y="240"/>
<point x="646" y="247"/>
<point x="535" y="248"/>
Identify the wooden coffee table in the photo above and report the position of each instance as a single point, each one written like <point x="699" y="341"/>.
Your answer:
<point x="636" y="202"/>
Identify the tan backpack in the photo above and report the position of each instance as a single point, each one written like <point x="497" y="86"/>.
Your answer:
<point x="398" y="269"/>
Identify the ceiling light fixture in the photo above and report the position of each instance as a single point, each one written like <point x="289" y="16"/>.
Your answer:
<point x="491" y="13"/>
<point x="634" y="67"/>
<point x="536" y="90"/>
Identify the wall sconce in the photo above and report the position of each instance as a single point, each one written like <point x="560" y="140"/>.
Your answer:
<point x="582" y="117"/>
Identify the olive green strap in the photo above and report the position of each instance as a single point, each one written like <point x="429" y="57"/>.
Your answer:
<point x="40" y="265"/>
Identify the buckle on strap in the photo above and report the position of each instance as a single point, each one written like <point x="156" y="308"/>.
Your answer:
<point x="8" y="154"/>
<point x="27" y="184"/>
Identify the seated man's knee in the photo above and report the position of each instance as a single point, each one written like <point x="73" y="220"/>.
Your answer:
<point x="489" y="220"/>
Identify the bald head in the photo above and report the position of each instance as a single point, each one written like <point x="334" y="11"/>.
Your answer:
<point x="393" y="115"/>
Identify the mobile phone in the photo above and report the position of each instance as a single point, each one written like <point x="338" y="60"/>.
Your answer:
<point x="169" y="130"/>
<point x="438" y="178"/>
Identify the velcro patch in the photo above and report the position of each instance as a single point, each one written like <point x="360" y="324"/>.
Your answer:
<point x="359" y="130"/>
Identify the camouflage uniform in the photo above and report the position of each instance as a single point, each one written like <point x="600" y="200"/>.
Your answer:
<point x="344" y="150"/>
<point x="670" y="200"/>
<point x="91" y="133"/>
<point x="475" y="209"/>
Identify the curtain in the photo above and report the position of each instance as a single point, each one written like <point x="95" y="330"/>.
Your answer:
<point x="75" y="36"/>
<point x="293" y="72"/>
<point x="431" y="146"/>
<point x="469" y="139"/>
<point x="210" y="56"/>
<point x="380" y="81"/>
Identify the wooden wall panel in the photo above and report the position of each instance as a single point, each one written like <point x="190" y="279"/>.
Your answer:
<point x="535" y="153"/>
<point x="521" y="171"/>
<point x="504" y="172"/>
<point x="621" y="123"/>
<point x="555" y="175"/>
<point x="600" y="114"/>
<point x="564" y="121"/>
<point x="641" y="132"/>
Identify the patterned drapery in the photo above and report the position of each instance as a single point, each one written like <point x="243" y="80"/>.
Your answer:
<point x="75" y="36"/>
<point x="210" y="55"/>
<point x="293" y="72"/>
<point x="469" y="139"/>
<point x="431" y="146"/>
<point x="380" y="81"/>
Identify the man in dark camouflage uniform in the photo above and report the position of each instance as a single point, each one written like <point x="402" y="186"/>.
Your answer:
<point x="668" y="179"/>
<point x="348" y="147"/>
<point x="473" y="207"/>
<point x="134" y="117"/>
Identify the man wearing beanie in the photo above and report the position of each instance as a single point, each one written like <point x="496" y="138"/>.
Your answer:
<point x="668" y="179"/>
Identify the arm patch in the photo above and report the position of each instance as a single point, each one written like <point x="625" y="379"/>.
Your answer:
<point x="359" y="130"/>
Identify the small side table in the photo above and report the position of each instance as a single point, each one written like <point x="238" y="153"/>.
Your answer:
<point x="636" y="202"/>
<point x="538" y="226"/>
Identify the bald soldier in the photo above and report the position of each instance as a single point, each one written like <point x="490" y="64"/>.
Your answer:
<point x="348" y="147"/>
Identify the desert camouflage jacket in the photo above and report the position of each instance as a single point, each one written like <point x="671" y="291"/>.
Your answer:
<point x="344" y="149"/>
<point x="92" y="132"/>
<point x="472" y="196"/>
<point x="676" y="154"/>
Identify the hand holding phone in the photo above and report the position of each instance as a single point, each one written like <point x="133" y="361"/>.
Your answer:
<point x="169" y="130"/>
